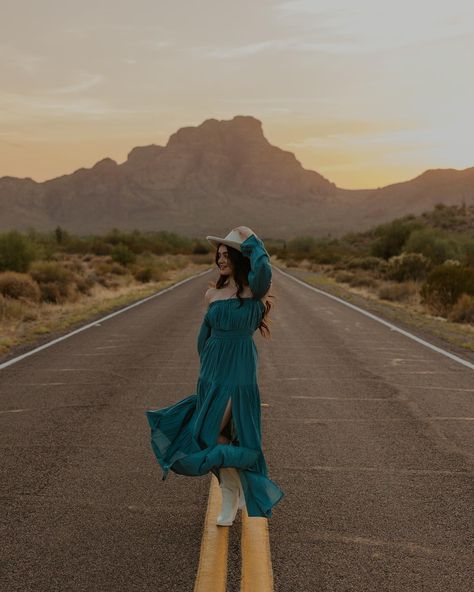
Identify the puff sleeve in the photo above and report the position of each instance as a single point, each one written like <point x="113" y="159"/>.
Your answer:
<point x="203" y="334"/>
<point x="260" y="274"/>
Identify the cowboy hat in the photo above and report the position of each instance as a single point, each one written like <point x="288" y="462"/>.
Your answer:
<point x="233" y="239"/>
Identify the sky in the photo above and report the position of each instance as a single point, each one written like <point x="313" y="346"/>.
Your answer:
<point x="366" y="93"/>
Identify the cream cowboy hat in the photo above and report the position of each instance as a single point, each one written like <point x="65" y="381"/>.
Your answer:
<point x="232" y="239"/>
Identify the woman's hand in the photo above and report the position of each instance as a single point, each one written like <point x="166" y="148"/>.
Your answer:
<point x="244" y="232"/>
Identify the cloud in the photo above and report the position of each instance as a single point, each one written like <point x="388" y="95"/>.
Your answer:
<point x="237" y="51"/>
<point x="403" y="139"/>
<point x="12" y="57"/>
<point x="273" y="46"/>
<point x="339" y="26"/>
<point x="20" y="107"/>
<point x="154" y="44"/>
<point x="85" y="84"/>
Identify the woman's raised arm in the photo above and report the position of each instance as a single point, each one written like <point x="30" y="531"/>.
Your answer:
<point x="260" y="274"/>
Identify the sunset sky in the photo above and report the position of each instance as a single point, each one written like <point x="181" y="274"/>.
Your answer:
<point x="367" y="93"/>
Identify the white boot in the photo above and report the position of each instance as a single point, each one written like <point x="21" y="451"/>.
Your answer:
<point x="236" y="478"/>
<point x="230" y="497"/>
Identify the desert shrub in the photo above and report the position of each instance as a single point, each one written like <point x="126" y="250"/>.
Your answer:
<point x="19" y="286"/>
<point x="392" y="237"/>
<point x="361" y="279"/>
<point x="85" y="284"/>
<point x="200" y="248"/>
<point x="143" y="274"/>
<point x="12" y="309"/>
<point x="103" y="266"/>
<point x="369" y="263"/>
<point x="108" y="281"/>
<point x="75" y="265"/>
<point x="16" y="252"/>
<point x="122" y="254"/>
<point x="343" y="276"/>
<point x="397" y="292"/>
<point x="444" y="285"/>
<point x="118" y="269"/>
<point x="408" y="266"/>
<point x="302" y="246"/>
<point x="463" y="310"/>
<point x="148" y="273"/>
<point x="326" y="255"/>
<point x="57" y="284"/>
<point x="452" y="262"/>
<point x="467" y="248"/>
<point x="432" y="244"/>
<point x="444" y="216"/>
<point x="100" y="247"/>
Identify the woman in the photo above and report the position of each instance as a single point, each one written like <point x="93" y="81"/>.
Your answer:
<point x="218" y="428"/>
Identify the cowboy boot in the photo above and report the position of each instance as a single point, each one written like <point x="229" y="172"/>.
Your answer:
<point x="234" y="473"/>
<point x="230" y="498"/>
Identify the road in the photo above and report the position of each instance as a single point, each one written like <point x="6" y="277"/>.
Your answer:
<point x="368" y="433"/>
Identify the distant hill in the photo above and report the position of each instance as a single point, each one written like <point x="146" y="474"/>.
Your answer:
<point x="212" y="177"/>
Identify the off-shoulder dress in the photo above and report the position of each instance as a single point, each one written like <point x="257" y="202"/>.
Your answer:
<point x="184" y="435"/>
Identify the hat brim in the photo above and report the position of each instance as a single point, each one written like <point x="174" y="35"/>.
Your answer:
<point x="215" y="241"/>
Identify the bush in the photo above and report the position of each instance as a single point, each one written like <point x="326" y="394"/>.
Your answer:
<point x="302" y="246"/>
<point x="326" y="255"/>
<point x="370" y="263"/>
<point x="148" y="273"/>
<point x="143" y="274"/>
<point x="343" y="276"/>
<point x="122" y="254"/>
<point x="19" y="286"/>
<point x="408" y="266"/>
<point x="16" y="252"/>
<point x="463" y="310"/>
<point x="360" y="279"/>
<point x="12" y="309"/>
<point x="200" y="248"/>
<point x="444" y="286"/>
<point x="432" y="244"/>
<point x="57" y="284"/>
<point x="117" y="269"/>
<point x="397" y="292"/>
<point x="392" y="238"/>
<point x="467" y="247"/>
<point x="100" y="247"/>
<point x="85" y="285"/>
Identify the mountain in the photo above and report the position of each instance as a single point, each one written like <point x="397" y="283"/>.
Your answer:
<point x="210" y="178"/>
<point x="448" y="186"/>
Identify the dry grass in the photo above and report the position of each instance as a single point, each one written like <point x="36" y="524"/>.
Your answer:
<point x="23" y="321"/>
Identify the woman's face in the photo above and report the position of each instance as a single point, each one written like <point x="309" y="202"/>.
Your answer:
<point x="223" y="261"/>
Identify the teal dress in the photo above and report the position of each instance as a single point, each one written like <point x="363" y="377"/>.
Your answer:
<point x="184" y="435"/>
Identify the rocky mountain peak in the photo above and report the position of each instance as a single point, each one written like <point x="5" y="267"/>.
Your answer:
<point x="242" y="129"/>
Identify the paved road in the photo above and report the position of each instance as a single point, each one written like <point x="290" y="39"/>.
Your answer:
<point x="369" y="434"/>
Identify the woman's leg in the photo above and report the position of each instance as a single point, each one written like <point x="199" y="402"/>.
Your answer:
<point x="225" y="420"/>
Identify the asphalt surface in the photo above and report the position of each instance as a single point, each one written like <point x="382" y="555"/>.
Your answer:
<point x="368" y="433"/>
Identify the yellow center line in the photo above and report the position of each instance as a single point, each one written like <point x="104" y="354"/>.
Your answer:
<point x="212" y="569"/>
<point x="257" y="571"/>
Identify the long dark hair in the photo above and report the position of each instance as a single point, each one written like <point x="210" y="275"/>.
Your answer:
<point x="241" y="268"/>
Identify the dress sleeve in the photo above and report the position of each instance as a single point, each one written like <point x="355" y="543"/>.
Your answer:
<point x="203" y="334"/>
<point x="260" y="274"/>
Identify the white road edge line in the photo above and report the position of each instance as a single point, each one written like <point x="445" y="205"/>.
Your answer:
<point x="380" y="320"/>
<point x="98" y="321"/>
